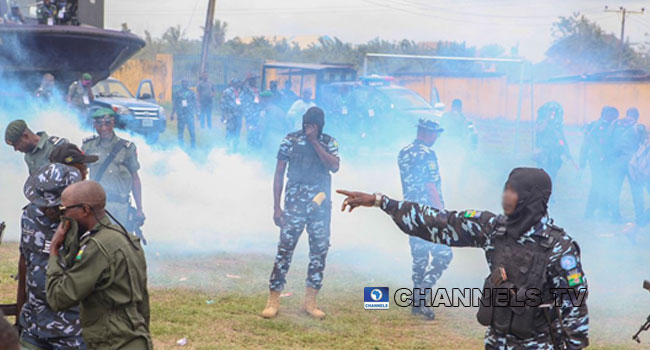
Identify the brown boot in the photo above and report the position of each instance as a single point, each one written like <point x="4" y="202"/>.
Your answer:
<point x="310" y="304"/>
<point x="272" y="305"/>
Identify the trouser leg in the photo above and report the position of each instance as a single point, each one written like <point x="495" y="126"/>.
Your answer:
<point x="289" y="235"/>
<point x="181" y="130"/>
<point x="191" y="127"/>
<point x="318" y="229"/>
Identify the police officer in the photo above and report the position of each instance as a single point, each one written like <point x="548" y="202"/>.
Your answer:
<point x="185" y="107"/>
<point x="311" y="156"/>
<point x="251" y="108"/>
<point x="105" y="272"/>
<point x="232" y="112"/>
<point x="550" y="143"/>
<point x="46" y="13"/>
<point x="46" y="90"/>
<point x="80" y="93"/>
<point x="595" y="151"/>
<point x="42" y="327"/>
<point x="418" y="167"/>
<point x="627" y="135"/>
<point x="36" y="146"/>
<point x="525" y="252"/>
<point x="116" y="170"/>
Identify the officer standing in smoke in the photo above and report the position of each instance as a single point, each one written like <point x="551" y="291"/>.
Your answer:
<point x="311" y="156"/>
<point x="36" y="146"/>
<point x="419" y="171"/>
<point x="550" y="143"/>
<point x="116" y="170"/>
<point x="524" y="251"/>
<point x="232" y="112"/>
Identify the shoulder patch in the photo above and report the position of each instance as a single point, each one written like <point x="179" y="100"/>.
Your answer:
<point x="80" y="253"/>
<point x="568" y="262"/>
<point x="472" y="214"/>
<point x="89" y="138"/>
<point x="56" y="140"/>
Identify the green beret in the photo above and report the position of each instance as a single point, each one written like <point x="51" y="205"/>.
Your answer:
<point x="266" y="93"/>
<point x="86" y="76"/>
<point x="14" y="131"/>
<point x="101" y="112"/>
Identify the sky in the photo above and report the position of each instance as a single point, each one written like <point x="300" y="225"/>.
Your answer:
<point x="477" y="22"/>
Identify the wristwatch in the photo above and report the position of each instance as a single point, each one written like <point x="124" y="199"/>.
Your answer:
<point x="378" y="196"/>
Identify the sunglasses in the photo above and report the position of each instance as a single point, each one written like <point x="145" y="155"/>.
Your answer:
<point x="63" y="208"/>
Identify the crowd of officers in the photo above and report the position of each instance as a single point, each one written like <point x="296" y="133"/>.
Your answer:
<point x="615" y="148"/>
<point x="83" y="275"/>
<point x="267" y="115"/>
<point x="48" y="12"/>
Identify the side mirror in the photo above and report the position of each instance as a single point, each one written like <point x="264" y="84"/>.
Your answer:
<point x="439" y="106"/>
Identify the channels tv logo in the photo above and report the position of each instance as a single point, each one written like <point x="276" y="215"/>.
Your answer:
<point x="375" y="298"/>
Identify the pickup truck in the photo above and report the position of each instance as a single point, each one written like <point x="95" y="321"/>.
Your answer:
<point x="139" y="114"/>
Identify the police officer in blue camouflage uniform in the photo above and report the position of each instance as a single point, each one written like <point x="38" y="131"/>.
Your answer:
<point x="418" y="167"/>
<point x="231" y="113"/>
<point x="185" y="107"/>
<point x="525" y="252"/>
<point x="311" y="155"/>
<point x="42" y="327"/>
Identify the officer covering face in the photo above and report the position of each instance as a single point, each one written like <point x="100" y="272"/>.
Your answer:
<point x="525" y="252"/>
<point x="311" y="156"/>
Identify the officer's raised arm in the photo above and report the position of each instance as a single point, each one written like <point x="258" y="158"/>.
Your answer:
<point x="458" y="229"/>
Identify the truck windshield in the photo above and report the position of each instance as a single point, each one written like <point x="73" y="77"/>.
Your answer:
<point x="111" y="88"/>
<point x="404" y="99"/>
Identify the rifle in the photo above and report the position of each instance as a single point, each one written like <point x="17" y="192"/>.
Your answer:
<point x="547" y="308"/>
<point x="135" y="223"/>
<point x="646" y="325"/>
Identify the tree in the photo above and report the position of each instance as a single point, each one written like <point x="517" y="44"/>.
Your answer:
<point x="582" y="46"/>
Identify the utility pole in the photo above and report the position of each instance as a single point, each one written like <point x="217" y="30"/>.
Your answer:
<point x="624" y="13"/>
<point x="207" y="35"/>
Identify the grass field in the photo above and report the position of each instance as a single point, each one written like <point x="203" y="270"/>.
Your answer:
<point x="194" y="299"/>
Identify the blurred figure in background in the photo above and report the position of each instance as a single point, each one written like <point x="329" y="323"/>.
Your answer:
<point x="80" y="93"/>
<point x="250" y="98"/>
<point x="288" y="96"/>
<point x="457" y="127"/>
<point x="594" y="151"/>
<point x="299" y="107"/>
<point x="185" y="109"/>
<point x="273" y="121"/>
<point x="232" y="111"/>
<point x="550" y="142"/>
<point x="627" y="136"/>
<point x="46" y="90"/>
<point x="206" y="94"/>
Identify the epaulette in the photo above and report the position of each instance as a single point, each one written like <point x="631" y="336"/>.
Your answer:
<point x="127" y="144"/>
<point x="500" y="226"/>
<point x="89" y="138"/>
<point x="57" y="140"/>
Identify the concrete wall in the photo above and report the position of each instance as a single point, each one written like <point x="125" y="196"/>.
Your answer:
<point x="494" y="97"/>
<point x="159" y="71"/>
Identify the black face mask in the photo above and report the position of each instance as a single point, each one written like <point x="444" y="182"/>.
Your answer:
<point x="533" y="187"/>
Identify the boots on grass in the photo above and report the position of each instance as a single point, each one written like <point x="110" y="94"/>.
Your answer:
<point x="310" y="304"/>
<point x="272" y="305"/>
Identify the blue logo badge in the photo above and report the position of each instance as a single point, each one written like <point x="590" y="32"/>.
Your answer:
<point x="568" y="262"/>
<point x="375" y="298"/>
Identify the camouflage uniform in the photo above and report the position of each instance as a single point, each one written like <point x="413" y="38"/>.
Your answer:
<point x="301" y="188"/>
<point x="550" y="143"/>
<point x="231" y="106"/>
<point x="185" y="105"/>
<point x="480" y="229"/>
<point x="45" y="12"/>
<point x="418" y="167"/>
<point x="117" y="180"/>
<point x="42" y="327"/>
<point x="251" y="109"/>
<point x="38" y="157"/>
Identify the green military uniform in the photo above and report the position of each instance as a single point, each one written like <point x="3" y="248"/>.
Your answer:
<point x="117" y="179"/>
<point x="38" y="157"/>
<point x="108" y="278"/>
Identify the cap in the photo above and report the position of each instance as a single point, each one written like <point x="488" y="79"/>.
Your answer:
<point x="266" y="93"/>
<point x="69" y="153"/>
<point x="14" y="131"/>
<point x="44" y="188"/>
<point x="430" y="125"/>
<point x="86" y="76"/>
<point x="101" y="112"/>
